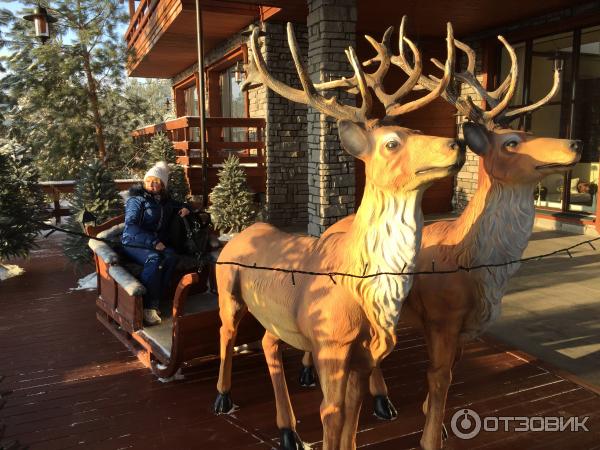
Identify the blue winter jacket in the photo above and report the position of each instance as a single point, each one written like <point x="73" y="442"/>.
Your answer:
<point x="147" y="220"/>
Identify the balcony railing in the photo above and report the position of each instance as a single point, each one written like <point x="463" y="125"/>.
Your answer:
<point x="139" y="19"/>
<point x="243" y="137"/>
<point x="56" y="190"/>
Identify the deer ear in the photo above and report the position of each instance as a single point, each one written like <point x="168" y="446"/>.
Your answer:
<point x="477" y="137"/>
<point x="354" y="138"/>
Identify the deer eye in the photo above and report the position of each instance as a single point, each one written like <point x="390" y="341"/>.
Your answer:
<point x="512" y="144"/>
<point x="391" y="145"/>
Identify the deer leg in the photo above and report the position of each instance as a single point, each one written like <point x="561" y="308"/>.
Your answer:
<point x="382" y="405"/>
<point x="332" y="367"/>
<point x="231" y="312"/>
<point x="355" y="391"/>
<point x="307" y="375"/>
<point x="457" y="358"/>
<point x="286" y="421"/>
<point x="442" y="347"/>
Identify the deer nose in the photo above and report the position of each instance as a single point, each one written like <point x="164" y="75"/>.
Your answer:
<point x="459" y="145"/>
<point x="576" y="146"/>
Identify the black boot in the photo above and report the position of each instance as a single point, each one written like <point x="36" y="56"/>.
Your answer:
<point x="384" y="408"/>
<point x="289" y="440"/>
<point x="307" y="377"/>
<point x="223" y="404"/>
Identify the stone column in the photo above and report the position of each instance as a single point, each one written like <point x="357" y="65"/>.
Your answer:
<point x="287" y="192"/>
<point x="467" y="178"/>
<point x="331" y="28"/>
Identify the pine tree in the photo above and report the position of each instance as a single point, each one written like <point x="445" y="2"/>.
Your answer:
<point x="231" y="208"/>
<point x="97" y="193"/>
<point x="22" y="205"/>
<point x="68" y="99"/>
<point x="160" y="148"/>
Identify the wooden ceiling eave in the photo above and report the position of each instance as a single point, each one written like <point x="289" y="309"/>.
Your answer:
<point x="167" y="43"/>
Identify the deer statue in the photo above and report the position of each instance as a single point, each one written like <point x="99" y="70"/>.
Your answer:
<point x="348" y="323"/>
<point x="494" y="229"/>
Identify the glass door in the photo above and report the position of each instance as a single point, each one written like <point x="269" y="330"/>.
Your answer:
<point x="191" y="109"/>
<point x="232" y="104"/>
<point x="583" y="184"/>
<point x="552" y="120"/>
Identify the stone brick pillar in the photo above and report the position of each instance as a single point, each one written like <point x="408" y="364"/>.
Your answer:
<point x="467" y="178"/>
<point x="331" y="28"/>
<point x="287" y="191"/>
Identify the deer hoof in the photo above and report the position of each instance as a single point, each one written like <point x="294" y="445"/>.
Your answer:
<point x="289" y="440"/>
<point x="384" y="408"/>
<point x="444" y="432"/>
<point x="307" y="377"/>
<point x="223" y="404"/>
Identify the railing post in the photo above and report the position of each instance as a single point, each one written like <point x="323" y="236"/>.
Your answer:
<point x="201" y="106"/>
<point x="56" y="198"/>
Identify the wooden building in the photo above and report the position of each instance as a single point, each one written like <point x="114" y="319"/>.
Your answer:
<point x="291" y="153"/>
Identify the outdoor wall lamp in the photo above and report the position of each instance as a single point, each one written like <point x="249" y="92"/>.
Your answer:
<point x="41" y="19"/>
<point x="239" y="72"/>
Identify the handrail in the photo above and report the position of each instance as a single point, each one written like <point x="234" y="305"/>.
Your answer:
<point x="186" y="141"/>
<point x="56" y="189"/>
<point x="184" y="134"/>
<point x="145" y="9"/>
<point x="194" y="122"/>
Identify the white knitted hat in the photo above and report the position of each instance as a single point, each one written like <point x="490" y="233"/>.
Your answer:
<point x="159" y="170"/>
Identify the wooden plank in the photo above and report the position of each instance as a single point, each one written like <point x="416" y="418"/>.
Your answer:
<point x="74" y="384"/>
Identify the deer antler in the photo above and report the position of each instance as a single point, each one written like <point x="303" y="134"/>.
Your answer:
<point x="385" y="58"/>
<point x="498" y="99"/>
<point x="258" y="73"/>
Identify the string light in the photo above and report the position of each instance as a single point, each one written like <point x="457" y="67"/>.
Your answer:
<point x="364" y="275"/>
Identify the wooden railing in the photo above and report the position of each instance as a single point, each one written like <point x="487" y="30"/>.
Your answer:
<point x="140" y="18"/>
<point x="184" y="132"/>
<point x="57" y="189"/>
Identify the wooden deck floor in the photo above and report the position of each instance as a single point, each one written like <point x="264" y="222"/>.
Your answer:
<point x="69" y="383"/>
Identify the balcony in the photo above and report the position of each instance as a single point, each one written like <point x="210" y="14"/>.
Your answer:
<point x="243" y="137"/>
<point x="162" y="33"/>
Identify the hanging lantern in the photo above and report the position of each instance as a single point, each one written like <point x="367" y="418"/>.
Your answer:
<point x="41" y="19"/>
<point x="239" y="72"/>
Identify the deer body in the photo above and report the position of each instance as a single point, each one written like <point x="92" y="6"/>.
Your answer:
<point x="289" y="311"/>
<point x="348" y="323"/>
<point x="493" y="229"/>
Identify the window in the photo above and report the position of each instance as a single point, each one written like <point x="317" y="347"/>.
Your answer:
<point x="190" y="96"/>
<point x="572" y="113"/>
<point x="233" y="104"/>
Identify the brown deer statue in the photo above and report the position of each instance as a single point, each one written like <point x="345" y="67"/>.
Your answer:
<point x="347" y="323"/>
<point x="494" y="229"/>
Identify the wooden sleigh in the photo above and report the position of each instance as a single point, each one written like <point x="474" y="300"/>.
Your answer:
<point x="186" y="337"/>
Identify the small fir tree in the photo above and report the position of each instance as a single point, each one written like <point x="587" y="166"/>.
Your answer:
<point x="22" y="206"/>
<point x="160" y="148"/>
<point x="96" y="192"/>
<point x="231" y="208"/>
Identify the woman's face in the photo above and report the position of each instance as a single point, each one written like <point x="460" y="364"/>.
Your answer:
<point x="153" y="185"/>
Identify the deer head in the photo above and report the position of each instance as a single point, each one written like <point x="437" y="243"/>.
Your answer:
<point x="396" y="158"/>
<point x="509" y="156"/>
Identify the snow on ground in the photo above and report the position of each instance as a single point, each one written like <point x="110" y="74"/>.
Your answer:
<point x="86" y="283"/>
<point x="10" y="270"/>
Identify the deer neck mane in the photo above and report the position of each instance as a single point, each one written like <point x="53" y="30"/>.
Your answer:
<point x="494" y="228"/>
<point x="384" y="237"/>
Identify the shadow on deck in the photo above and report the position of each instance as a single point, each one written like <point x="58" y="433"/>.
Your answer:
<point x="69" y="383"/>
